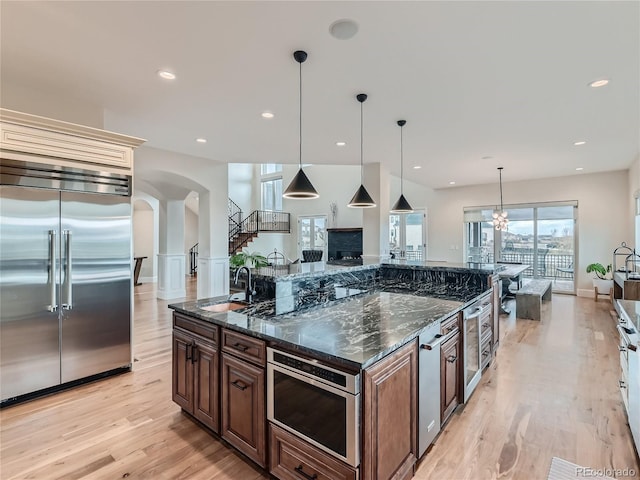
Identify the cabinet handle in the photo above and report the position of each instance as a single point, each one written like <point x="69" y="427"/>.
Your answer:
<point x="239" y="385"/>
<point x="194" y="354"/>
<point x="451" y="358"/>
<point x="622" y="348"/>
<point x="621" y="383"/>
<point x="189" y="351"/>
<point x="239" y="346"/>
<point x="632" y="347"/>
<point x="305" y="475"/>
<point x="621" y="320"/>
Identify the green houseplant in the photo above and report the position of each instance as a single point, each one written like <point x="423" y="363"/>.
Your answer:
<point x="251" y="260"/>
<point x="602" y="282"/>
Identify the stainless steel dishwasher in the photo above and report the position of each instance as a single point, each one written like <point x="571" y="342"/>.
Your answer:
<point x="429" y="386"/>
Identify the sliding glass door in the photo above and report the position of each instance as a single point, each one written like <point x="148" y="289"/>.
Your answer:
<point x="541" y="236"/>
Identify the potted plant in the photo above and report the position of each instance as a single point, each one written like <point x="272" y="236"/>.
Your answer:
<point x="602" y="282"/>
<point x="251" y="260"/>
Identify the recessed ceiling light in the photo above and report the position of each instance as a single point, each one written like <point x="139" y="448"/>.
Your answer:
<point x="167" y="75"/>
<point x="452" y="183"/>
<point x="341" y="144"/>
<point x="599" y="83"/>
<point x="581" y="142"/>
<point x="343" y="29"/>
<point x="579" y="169"/>
<point x="201" y="140"/>
<point x="417" y="167"/>
<point x="487" y="157"/>
<point x="267" y="115"/>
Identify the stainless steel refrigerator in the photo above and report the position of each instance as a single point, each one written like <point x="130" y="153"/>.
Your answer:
<point x="65" y="276"/>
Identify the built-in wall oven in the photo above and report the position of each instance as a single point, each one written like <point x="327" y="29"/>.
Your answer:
<point x="316" y="402"/>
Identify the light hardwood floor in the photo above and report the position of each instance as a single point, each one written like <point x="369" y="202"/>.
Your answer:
<point x="552" y="391"/>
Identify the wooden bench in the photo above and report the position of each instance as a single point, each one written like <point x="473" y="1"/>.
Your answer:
<point x="529" y="298"/>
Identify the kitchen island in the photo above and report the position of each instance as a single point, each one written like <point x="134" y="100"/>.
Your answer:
<point x="355" y="330"/>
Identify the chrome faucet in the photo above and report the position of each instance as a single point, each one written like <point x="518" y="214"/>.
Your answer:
<point x="248" y="296"/>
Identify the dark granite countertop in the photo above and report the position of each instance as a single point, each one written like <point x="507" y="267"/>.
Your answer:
<point x="355" y="331"/>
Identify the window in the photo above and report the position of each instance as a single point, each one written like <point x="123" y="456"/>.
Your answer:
<point x="540" y="235"/>
<point x="272" y="194"/>
<point x="271" y="186"/>
<point x="270" y="168"/>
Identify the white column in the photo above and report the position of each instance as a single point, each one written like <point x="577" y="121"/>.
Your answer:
<point x="213" y="236"/>
<point x="171" y="259"/>
<point x="375" y="221"/>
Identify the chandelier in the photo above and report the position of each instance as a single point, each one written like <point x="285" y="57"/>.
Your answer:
<point x="500" y="220"/>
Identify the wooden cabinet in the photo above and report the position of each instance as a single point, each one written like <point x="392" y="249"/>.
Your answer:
<point x="389" y="407"/>
<point x="243" y="417"/>
<point x="43" y="140"/>
<point x="294" y="459"/>
<point x="450" y="376"/>
<point x="195" y="371"/>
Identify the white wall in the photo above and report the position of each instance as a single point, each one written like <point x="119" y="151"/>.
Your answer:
<point x="242" y="186"/>
<point x="143" y="238"/>
<point x="190" y="229"/>
<point x="602" y="214"/>
<point x="634" y="192"/>
<point x="334" y="183"/>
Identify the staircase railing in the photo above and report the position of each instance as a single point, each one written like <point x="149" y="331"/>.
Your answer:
<point x="193" y="259"/>
<point x="240" y="234"/>
<point x="235" y="216"/>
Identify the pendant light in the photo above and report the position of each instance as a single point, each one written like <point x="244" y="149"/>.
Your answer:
<point x="500" y="220"/>
<point x="361" y="199"/>
<point x="401" y="206"/>
<point x="300" y="187"/>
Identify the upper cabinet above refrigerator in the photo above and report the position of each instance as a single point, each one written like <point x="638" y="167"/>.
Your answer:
<point x="53" y="142"/>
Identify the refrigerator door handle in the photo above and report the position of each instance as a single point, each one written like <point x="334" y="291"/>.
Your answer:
<point x="52" y="271"/>
<point x="68" y="284"/>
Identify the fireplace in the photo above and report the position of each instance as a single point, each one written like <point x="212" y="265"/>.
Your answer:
<point x="344" y="246"/>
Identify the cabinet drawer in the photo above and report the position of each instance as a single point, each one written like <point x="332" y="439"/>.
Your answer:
<point x="203" y="329"/>
<point x="449" y="325"/>
<point x="294" y="459"/>
<point x="485" y="355"/>
<point x="243" y="346"/>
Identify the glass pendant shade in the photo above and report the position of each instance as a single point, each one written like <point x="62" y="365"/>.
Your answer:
<point x="402" y="205"/>
<point x="500" y="220"/>
<point x="300" y="186"/>
<point x="361" y="199"/>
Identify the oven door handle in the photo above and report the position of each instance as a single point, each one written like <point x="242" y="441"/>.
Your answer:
<point x="627" y="339"/>
<point x="438" y="339"/>
<point x="309" y="380"/>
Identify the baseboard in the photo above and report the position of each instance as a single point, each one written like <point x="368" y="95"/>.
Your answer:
<point x="584" y="292"/>
<point x="153" y="279"/>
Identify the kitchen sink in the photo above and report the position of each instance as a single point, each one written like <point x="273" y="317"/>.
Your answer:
<point x="224" y="307"/>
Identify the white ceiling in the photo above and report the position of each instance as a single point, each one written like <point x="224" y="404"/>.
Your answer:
<point x="506" y="80"/>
